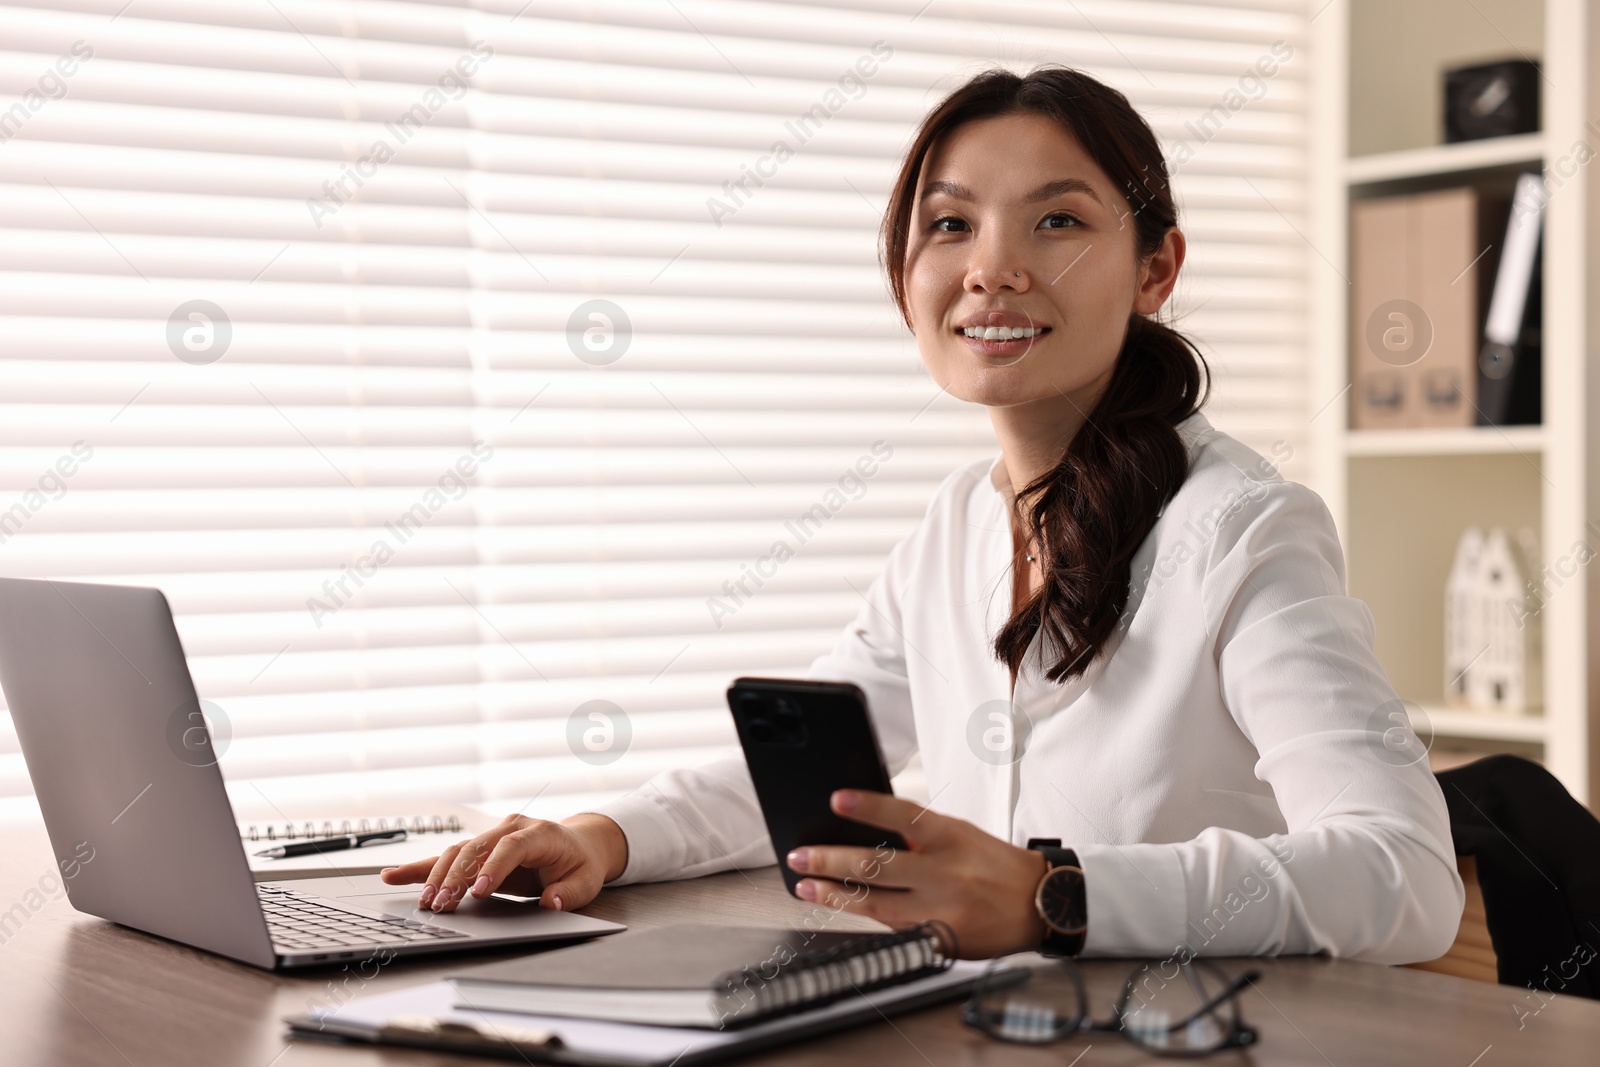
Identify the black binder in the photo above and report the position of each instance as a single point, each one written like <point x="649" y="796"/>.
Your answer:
<point x="1509" y="372"/>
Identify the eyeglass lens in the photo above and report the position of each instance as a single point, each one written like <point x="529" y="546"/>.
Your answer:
<point x="1185" y="1009"/>
<point x="1190" y="1009"/>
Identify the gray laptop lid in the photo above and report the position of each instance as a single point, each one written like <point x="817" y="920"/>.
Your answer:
<point x="111" y="729"/>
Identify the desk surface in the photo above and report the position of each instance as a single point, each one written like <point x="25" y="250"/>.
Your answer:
<point x="78" y="990"/>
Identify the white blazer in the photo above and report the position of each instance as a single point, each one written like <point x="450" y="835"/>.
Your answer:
<point x="1230" y="770"/>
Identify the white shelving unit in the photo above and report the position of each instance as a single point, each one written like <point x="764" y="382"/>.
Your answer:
<point x="1401" y="497"/>
<point x="1444" y="159"/>
<point x="1480" y="440"/>
<point x="1439" y="721"/>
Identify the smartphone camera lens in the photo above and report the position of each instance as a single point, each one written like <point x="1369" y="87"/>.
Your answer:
<point x="770" y="719"/>
<point x="787" y="723"/>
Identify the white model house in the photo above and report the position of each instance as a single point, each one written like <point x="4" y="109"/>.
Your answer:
<point x="1492" y="630"/>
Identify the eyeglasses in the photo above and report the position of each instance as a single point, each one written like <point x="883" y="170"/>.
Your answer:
<point x="1169" y="1009"/>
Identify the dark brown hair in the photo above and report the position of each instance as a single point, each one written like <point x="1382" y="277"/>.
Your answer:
<point x="1091" y="512"/>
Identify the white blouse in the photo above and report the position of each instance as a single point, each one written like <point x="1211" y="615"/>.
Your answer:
<point x="1230" y="769"/>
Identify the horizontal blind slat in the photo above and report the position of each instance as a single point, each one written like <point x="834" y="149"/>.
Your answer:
<point x="385" y="315"/>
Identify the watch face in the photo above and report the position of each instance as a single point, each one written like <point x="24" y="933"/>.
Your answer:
<point x="1061" y="902"/>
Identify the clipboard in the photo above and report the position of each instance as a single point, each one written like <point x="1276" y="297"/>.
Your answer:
<point x="428" y="1017"/>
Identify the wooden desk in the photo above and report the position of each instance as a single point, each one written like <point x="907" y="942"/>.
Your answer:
<point x="78" y="990"/>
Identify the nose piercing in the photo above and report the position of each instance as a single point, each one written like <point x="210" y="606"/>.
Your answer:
<point x="1019" y="274"/>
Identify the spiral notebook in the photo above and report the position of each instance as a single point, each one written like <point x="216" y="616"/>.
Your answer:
<point x="708" y="976"/>
<point x="437" y="1016"/>
<point x="426" y="835"/>
<point x="420" y="1016"/>
<point x="284" y="831"/>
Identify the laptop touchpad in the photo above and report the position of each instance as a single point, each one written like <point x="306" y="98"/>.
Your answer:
<point x="405" y="905"/>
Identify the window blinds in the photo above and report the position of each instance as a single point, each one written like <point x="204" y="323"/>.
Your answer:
<point x="485" y="388"/>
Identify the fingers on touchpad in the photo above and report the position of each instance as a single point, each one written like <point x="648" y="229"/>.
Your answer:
<point x="406" y="905"/>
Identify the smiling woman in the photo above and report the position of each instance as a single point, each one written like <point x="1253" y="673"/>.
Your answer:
<point x="1209" y="746"/>
<point x="1034" y="302"/>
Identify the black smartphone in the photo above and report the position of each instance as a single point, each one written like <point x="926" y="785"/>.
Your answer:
<point x="802" y="740"/>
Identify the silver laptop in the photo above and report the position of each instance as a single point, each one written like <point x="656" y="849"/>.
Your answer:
<point x="101" y="697"/>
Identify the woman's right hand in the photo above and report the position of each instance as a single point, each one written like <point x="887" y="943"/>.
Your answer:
<point x="564" y="863"/>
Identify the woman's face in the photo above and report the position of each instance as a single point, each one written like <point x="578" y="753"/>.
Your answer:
<point x="1016" y="229"/>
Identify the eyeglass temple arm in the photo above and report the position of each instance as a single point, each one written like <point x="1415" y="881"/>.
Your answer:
<point x="1229" y="991"/>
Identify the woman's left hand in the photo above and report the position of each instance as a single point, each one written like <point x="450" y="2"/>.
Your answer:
<point x="953" y="871"/>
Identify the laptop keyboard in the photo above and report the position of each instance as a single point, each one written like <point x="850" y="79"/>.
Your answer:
<point x="299" y="923"/>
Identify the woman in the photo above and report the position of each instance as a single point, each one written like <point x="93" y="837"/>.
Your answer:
<point x="1127" y="632"/>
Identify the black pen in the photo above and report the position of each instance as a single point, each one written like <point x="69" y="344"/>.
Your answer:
<point x="334" y="844"/>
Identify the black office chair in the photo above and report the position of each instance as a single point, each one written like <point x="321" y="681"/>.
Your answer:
<point x="1538" y="859"/>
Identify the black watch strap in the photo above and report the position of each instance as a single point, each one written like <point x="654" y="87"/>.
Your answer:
<point x="1056" y="942"/>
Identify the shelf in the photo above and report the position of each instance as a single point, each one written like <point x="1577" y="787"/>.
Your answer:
<point x="1400" y="499"/>
<point x="1468" y="441"/>
<point x="1445" y="159"/>
<point x="1448" y="722"/>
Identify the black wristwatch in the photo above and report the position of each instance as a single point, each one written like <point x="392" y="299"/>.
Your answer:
<point x="1061" y="900"/>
